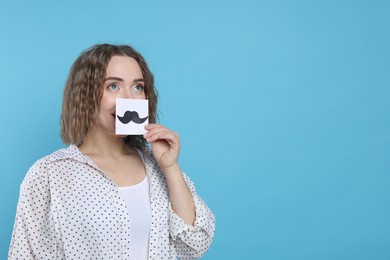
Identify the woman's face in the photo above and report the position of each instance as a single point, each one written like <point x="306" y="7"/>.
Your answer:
<point x="123" y="79"/>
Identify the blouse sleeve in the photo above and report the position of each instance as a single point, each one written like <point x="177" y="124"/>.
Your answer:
<point x="192" y="241"/>
<point x="33" y="234"/>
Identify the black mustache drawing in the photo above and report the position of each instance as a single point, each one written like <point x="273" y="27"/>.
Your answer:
<point x="131" y="116"/>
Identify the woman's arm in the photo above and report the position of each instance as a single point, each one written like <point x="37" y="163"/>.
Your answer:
<point x="191" y="222"/>
<point x="166" y="148"/>
<point x="180" y="196"/>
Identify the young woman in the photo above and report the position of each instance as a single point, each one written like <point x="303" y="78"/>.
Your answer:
<point x="108" y="196"/>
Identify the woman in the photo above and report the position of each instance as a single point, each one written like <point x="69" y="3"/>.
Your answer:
<point x="108" y="196"/>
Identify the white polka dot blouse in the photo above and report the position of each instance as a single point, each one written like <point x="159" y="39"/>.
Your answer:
<point x="69" y="209"/>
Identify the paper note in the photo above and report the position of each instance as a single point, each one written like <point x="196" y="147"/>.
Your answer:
<point x="131" y="116"/>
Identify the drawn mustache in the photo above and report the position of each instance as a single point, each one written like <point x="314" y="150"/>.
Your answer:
<point x="131" y="116"/>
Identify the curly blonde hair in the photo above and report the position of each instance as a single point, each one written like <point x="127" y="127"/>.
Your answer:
<point x="84" y="90"/>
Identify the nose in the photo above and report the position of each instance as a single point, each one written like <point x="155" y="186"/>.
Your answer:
<point x="127" y="93"/>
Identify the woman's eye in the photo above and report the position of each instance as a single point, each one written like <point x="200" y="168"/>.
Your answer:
<point x="139" y="88"/>
<point x="113" y="87"/>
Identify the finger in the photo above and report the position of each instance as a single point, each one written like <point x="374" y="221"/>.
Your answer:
<point x="171" y="137"/>
<point x="155" y="130"/>
<point x="152" y="126"/>
<point x="163" y="134"/>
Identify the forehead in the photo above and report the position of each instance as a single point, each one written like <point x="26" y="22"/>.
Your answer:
<point x="124" y="67"/>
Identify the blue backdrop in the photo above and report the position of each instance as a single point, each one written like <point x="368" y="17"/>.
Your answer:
<point x="293" y="154"/>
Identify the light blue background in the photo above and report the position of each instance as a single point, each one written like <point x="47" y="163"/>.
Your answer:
<point x="283" y="109"/>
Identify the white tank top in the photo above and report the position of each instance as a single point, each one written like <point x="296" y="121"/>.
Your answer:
<point x="138" y="205"/>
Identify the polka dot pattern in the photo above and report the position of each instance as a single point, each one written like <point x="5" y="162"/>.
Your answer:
<point x="69" y="209"/>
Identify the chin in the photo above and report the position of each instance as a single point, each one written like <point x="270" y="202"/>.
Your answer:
<point x="121" y="136"/>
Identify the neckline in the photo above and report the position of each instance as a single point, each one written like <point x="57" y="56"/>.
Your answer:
<point x="135" y="185"/>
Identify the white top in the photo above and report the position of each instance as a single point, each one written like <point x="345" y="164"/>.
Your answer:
<point x="137" y="201"/>
<point x="70" y="209"/>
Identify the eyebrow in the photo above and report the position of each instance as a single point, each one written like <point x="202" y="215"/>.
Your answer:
<point x="121" y="80"/>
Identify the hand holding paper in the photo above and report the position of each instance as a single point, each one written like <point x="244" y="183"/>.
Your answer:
<point x="165" y="145"/>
